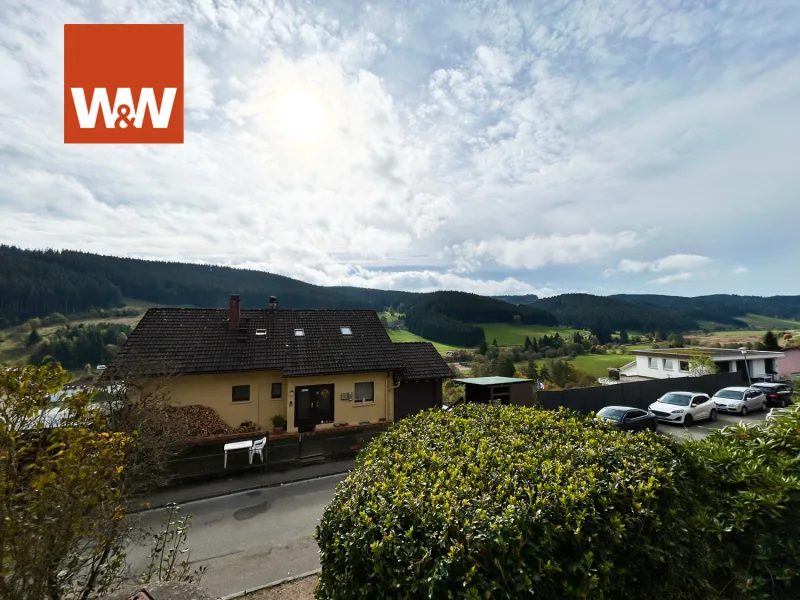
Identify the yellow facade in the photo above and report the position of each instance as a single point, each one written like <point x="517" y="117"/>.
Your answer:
<point x="216" y="391"/>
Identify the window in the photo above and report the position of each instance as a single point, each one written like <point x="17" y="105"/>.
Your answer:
<point x="365" y="392"/>
<point x="346" y="331"/>
<point x="668" y="364"/>
<point x="240" y="393"/>
<point x="261" y="332"/>
<point x="684" y="366"/>
<point x="277" y="390"/>
<point x="299" y="333"/>
<point x="652" y="362"/>
<point x="635" y="414"/>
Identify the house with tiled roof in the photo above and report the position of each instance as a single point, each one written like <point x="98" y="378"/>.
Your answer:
<point x="315" y="368"/>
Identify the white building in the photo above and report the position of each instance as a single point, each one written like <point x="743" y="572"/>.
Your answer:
<point x="674" y="362"/>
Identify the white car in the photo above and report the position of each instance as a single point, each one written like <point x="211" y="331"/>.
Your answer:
<point x="740" y="400"/>
<point x="684" y="408"/>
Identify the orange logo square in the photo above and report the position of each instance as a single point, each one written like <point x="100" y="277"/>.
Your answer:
<point x="123" y="84"/>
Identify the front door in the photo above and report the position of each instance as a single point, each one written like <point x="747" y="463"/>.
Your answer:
<point x="313" y="405"/>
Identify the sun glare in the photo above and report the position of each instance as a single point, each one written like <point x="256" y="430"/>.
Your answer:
<point x="299" y="115"/>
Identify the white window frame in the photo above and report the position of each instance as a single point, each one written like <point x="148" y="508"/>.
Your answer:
<point x="668" y="361"/>
<point x="652" y="362"/>
<point x="365" y="399"/>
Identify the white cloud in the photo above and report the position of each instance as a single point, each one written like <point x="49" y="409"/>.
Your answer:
<point x="533" y="251"/>
<point x="685" y="276"/>
<point x="673" y="262"/>
<point x="740" y="270"/>
<point x="459" y="143"/>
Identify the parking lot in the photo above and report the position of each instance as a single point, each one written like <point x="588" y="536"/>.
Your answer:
<point x="703" y="428"/>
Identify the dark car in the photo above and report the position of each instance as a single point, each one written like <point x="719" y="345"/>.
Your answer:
<point x="778" y="394"/>
<point x="628" y="418"/>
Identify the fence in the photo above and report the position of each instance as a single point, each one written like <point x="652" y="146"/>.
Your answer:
<point x="636" y="394"/>
<point x="206" y="459"/>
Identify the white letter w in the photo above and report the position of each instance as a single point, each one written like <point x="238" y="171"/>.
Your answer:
<point x="87" y="114"/>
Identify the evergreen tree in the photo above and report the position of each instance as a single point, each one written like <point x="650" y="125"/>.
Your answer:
<point x="577" y="338"/>
<point x="482" y="347"/>
<point x="770" y="342"/>
<point x="528" y="344"/>
<point x="623" y="337"/>
<point x="535" y="345"/>
<point x="494" y="342"/>
<point x="531" y="372"/>
<point x="33" y="338"/>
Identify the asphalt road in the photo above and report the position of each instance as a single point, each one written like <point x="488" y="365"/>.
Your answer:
<point x="249" y="538"/>
<point x="701" y="429"/>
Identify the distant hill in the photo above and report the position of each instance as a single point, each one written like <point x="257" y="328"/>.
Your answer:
<point x="526" y="299"/>
<point x="722" y="308"/>
<point x="586" y="311"/>
<point x="37" y="283"/>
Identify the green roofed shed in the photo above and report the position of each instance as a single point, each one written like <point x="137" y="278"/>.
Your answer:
<point x="501" y="390"/>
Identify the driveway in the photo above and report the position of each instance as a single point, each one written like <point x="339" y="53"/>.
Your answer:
<point x="703" y="428"/>
<point x="250" y="538"/>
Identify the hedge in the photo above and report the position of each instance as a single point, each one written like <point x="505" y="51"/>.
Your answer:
<point x="752" y="485"/>
<point x="509" y="502"/>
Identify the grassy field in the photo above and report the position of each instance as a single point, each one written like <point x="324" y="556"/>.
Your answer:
<point x="765" y="323"/>
<point x="407" y="336"/>
<point x="597" y="365"/>
<point x="507" y="334"/>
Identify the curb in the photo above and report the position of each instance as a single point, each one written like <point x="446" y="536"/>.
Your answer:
<point x="270" y="585"/>
<point x="236" y="491"/>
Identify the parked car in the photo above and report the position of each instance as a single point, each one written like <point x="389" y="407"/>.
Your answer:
<point x="778" y="394"/>
<point x="684" y="408"/>
<point x="740" y="400"/>
<point x="628" y="418"/>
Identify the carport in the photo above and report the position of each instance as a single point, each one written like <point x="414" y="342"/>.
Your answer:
<point x="497" y="390"/>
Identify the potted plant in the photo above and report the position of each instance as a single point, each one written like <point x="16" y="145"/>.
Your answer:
<point x="278" y="423"/>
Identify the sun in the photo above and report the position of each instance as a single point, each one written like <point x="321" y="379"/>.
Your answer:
<point x="299" y="115"/>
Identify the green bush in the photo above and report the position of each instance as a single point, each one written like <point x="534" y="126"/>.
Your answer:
<point x="509" y="502"/>
<point x="752" y="482"/>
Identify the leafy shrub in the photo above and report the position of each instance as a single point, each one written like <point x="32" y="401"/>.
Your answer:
<point x="753" y="484"/>
<point x="510" y="502"/>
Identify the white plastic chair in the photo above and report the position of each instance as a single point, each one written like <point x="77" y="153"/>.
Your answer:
<point x="258" y="448"/>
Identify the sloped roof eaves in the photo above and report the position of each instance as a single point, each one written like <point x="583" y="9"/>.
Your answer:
<point x="197" y="341"/>
<point x="421" y="360"/>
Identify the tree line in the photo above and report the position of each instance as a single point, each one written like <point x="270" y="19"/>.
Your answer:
<point x="75" y="346"/>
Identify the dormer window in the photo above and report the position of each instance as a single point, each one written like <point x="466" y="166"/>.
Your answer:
<point x="299" y="333"/>
<point x="346" y="331"/>
<point x="261" y="332"/>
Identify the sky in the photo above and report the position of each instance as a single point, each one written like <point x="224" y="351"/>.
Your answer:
<point x="619" y="146"/>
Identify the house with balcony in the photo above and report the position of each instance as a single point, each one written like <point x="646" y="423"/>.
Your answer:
<point x="316" y="368"/>
<point x="675" y="362"/>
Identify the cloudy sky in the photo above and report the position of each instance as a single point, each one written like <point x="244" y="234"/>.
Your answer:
<point x="496" y="147"/>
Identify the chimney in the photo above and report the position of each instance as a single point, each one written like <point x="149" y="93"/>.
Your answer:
<point x="273" y="302"/>
<point x="234" y="310"/>
<point x="613" y="374"/>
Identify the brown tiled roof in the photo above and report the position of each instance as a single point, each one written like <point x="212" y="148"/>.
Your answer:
<point x="192" y="340"/>
<point x="421" y="361"/>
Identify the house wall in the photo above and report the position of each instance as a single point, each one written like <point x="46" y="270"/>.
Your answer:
<point x="215" y="391"/>
<point x="757" y="367"/>
<point x="415" y="396"/>
<point x="789" y="364"/>
<point x="348" y="411"/>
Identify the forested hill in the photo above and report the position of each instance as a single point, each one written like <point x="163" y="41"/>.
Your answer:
<point x="722" y="308"/>
<point x="525" y="299"/>
<point x="38" y="283"/>
<point x="588" y="311"/>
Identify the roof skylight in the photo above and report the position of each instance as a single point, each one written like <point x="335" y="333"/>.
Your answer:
<point x="346" y="331"/>
<point x="261" y="332"/>
<point x="299" y="332"/>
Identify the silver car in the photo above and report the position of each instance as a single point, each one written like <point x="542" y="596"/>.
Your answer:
<point x="740" y="400"/>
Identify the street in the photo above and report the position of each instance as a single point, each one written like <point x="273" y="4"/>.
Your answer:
<point x="249" y="538"/>
<point x="701" y="429"/>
